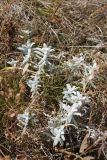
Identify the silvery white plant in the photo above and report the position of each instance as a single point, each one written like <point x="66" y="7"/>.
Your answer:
<point x="72" y="95"/>
<point x="69" y="107"/>
<point x="89" y="74"/>
<point x="89" y="71"/>
<point x="57" y="130"/>
<point x="70" y="112"/>
<point x="27" y="50"/>
<point x="76" y="63"/>
<point x="23" y="120"/>
<point x="27" y="32"/>
<point x="34" y="84"/>
<point x="13" y="62"/>
<point x="58" y="135"/>
<point x="72" y="101"/>
<point x="42" y="55"/>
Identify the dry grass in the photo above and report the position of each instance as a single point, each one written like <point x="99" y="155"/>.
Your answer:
<point x="69" y="26"/>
